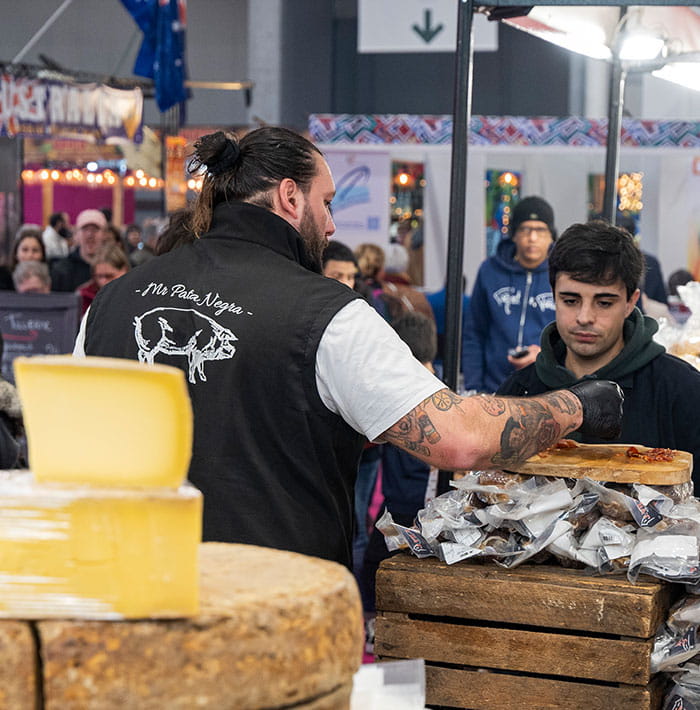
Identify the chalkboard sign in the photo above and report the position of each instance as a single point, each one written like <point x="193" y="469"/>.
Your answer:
<point x="37" y="324"/>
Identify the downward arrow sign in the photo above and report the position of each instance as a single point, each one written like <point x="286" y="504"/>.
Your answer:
<point x="427" y="32"/>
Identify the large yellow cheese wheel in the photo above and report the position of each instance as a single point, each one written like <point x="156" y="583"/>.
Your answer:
<point x="105" y="421"/>
<point x="276" y="630"/>
<point x="101" y="553"/>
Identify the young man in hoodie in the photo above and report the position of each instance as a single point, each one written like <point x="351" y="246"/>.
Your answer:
<point x="511" y="301"/>
<point x="595" y="271"/>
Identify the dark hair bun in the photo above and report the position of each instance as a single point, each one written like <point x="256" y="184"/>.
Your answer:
<point x="216" y="152"/>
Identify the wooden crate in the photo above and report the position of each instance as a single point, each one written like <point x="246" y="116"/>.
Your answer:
<point x="533" y="637"/>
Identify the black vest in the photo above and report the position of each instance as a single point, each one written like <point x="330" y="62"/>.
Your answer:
<point x="242" y="313"/>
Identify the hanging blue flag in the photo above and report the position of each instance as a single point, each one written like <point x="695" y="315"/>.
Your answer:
<point x="162" y="53"/>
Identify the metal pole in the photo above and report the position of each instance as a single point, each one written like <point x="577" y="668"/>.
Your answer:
<point x="458" y="191"/>
<point x="40" y="32"/>
<point x="612" y="155"/>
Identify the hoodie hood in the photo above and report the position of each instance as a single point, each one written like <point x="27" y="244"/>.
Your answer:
<point x="505" y="256"/>
<point x="639" y="349"/>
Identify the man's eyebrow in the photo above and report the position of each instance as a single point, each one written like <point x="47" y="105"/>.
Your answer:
<point x="600" y="294"/>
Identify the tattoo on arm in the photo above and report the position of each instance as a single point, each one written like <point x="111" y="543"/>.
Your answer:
<point x="445" y="399"/>
<point x="531" y="426"/>
<point x="416" y="431"/>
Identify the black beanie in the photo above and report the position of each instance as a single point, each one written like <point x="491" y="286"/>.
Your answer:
<point x="533" y="208"/>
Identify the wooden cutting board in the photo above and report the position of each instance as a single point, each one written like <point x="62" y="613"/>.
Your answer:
<point x="609" y="462"/>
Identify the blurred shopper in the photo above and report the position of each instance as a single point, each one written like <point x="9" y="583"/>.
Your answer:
<point x="72" y="271"/>
<point x="145" y="250"/>
<point x="397" y="291"/>
<point x="132" y="237"/>
<point x="28" y="245"/>
<point x="12" y="437"/>
<point x="339" y="263"/>
<point x="595" y="271"/>
<point x="55" y="236"/>
<point x="290" y="372"/>
<point x="511" y="301"/>
<point x="110" y="262"/>
<point x="32" y="277"/>
<point x="437" y="304"/>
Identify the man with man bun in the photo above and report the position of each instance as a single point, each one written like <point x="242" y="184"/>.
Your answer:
<point x="296" y="371"/>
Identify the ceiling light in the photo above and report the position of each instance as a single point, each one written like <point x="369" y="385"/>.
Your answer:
<point x="639" y="47"/>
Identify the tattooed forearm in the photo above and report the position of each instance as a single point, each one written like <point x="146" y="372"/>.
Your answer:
<point x="416" y="430"/>
<point x="530" y="427"/>
<point x="561" y="401"/>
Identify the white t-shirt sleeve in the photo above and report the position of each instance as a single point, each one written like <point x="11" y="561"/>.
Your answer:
<point x="79" y="346"/>
<point x="366" y="374"/>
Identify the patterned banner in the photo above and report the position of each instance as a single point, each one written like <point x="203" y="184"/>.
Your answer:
<point x="34" y="107"/>
<point x="500" y="130"/>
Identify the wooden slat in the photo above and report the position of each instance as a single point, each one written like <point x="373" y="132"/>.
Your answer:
<point x="475" y="690"/>
<point x="530" y="595"/>
<point x="609" y="462"/>
<point x="603" y="659"/>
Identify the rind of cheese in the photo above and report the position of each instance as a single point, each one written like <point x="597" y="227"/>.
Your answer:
<point x="276" y="630"/>
<point x="98" y="553"/>
<point x="105" y="421"/>
<point x="19" y="668"/>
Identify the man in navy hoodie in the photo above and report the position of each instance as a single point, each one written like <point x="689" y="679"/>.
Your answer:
<point x="511" y="302"/>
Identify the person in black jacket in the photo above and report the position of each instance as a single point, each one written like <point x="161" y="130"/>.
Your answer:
<point x="290" y="372"/>
<point x="595" y="271"/>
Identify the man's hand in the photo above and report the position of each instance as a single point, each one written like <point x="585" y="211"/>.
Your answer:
<point x="519" y="362"/>
<point x="601" y="401"/>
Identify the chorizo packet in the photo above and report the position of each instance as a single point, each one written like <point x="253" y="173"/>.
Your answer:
<point x="673" y="647"/>
<point x="670" y="553"/>
<point x="680" y="698"/>
<point x="685" y="693"/>
<point x="399" y="537"/>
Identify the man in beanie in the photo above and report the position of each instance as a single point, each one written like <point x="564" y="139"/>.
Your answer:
<point x="75" y="269"/>
<point x="511" y="301"/>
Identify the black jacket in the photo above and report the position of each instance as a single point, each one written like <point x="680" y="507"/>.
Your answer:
<point x="70" y="272"/>
<point x="662" y="392"/>
<point x="242" y="313"/>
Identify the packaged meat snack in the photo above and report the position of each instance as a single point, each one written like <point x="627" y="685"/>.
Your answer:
<point x="670" y="554"/>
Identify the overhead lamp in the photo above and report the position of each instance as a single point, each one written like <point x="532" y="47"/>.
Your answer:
<point x="640" y="47"/>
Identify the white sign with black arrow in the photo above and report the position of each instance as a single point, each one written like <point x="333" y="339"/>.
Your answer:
<point x="416" y="26"/>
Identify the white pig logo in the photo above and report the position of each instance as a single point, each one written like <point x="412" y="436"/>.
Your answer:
<point x="170" y="331"/>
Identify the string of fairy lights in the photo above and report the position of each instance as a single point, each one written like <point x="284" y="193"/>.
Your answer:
<point x="105" y="178"/>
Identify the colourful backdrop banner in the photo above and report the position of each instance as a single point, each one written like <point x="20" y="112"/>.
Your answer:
<point x="500" y="130"/>
<point x="34" y="107"/>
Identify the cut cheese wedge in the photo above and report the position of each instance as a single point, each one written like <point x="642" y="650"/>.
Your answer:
<point x="97" y="553"/>
<point x="105" y="421"/>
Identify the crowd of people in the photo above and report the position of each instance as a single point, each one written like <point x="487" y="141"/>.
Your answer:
<point x="78" y="258"/>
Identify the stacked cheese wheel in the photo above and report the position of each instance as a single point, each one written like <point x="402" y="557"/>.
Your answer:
<point x="105" y="528"/>
<point x="104" y="531"/>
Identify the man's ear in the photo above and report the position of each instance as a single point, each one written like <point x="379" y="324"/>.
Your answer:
<point x="632" y="302"/>
<point x="287" y="200"/>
